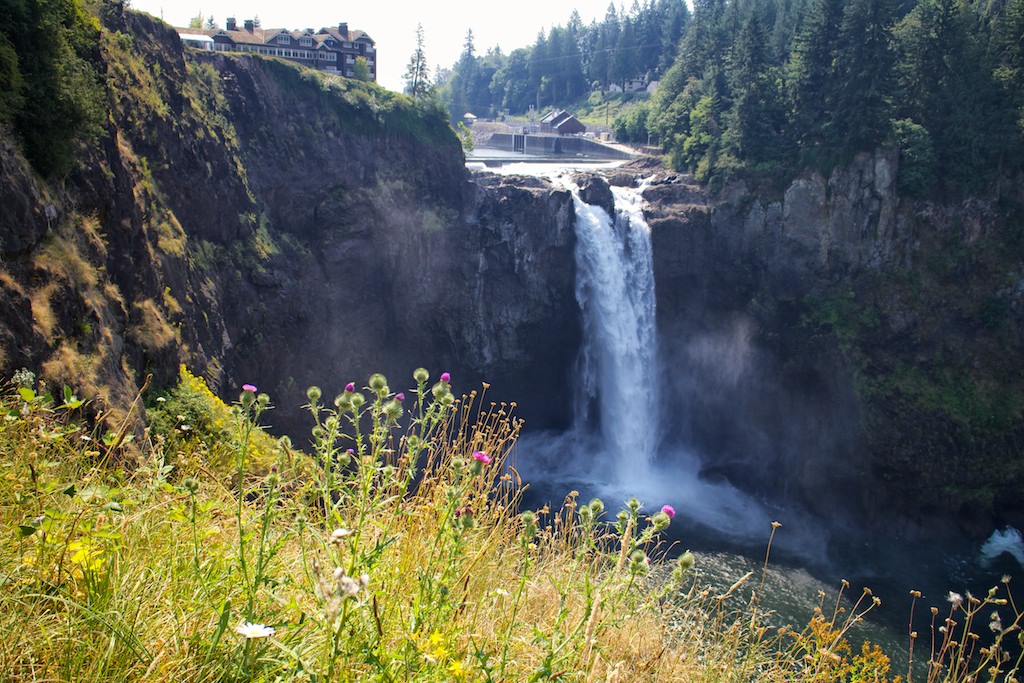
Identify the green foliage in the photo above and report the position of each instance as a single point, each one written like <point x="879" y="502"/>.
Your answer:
<point x="361" y="69"/>
<point x="917" y="174"/>
<point x="50" y="89"/>
<point x="466" y="137"/>
<point x="565" y="62"/>
<point x="631" y="125"/>
<point x="417" y="73"/>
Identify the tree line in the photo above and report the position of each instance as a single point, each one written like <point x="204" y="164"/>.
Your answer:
<point x="565" y="62"/>
<point x="768" y="87"/>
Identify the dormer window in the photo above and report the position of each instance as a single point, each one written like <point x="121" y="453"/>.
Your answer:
<point x="283" y="39"/>
<point x="305" y="40"/>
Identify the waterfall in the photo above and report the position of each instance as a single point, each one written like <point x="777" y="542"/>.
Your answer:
<point x="616" y="392"/>
<point x="615" y="447"/>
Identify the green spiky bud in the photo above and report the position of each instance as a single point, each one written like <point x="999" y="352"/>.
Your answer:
<point x="660" y="521"/>
<point x="379" y="384"/>
<point x="393" y="410"/>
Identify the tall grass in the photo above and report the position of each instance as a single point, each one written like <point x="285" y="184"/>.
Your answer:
<point x="393" y="549"/>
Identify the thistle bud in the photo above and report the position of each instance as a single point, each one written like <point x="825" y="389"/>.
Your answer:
<point x="660" y="521"/>
<point x="379" y="384"/>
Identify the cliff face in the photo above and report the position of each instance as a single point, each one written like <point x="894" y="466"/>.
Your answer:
<point x="261" y="224"/>
<point x="848" y="351"/>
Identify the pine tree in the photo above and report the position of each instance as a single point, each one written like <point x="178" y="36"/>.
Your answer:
<point x="942" y="80"/>
<point x="864" y="74"/>
<point x="757" y="117"/>
<point x="417" y="74"/>
<point x="815" y="83"/>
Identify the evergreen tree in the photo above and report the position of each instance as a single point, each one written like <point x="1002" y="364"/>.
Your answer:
<point x="50" y="81"/>
<point x="864" y="74"/>
<point x="703" y="46"/>
<point x="674" y="17"/>
<point x="510" y="86"/>
<point x="574" y="80"/>
<point x="815" y="82"/>
<point x="598" y="66"/>
<point x="539" y="58"/>
<point x="943" y="78"/>
<point x="625" y="64"/>
<point x="1008" y="72"/>
<point x="457" y="93"/>
<point x="417" y="74"/>
<point x="756" y="120"/>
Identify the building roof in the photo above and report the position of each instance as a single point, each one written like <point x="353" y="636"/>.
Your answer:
<point x="551" y="115"/>
<point x="198" y="37"/>
<point x="347" y="36"/>
<point x="262" y="36"/>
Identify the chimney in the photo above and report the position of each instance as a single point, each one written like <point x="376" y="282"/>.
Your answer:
<point x="230" y="25"/>
<point x="343" y="29"/>
<point x="249" y="25"/>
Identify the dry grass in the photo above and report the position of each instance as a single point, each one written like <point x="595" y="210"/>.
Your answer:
<point x="145" y="575"/>
<point x="43" y="317"/>
<point x="149" y="327"/>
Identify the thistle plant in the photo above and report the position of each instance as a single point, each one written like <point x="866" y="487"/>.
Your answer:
<point x="396" y="550"/>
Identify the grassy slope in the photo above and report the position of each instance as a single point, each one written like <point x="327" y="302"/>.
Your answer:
<point x="108" y="575"/>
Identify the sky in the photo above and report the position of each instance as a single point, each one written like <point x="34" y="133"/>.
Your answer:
<point x="392" y="24"/>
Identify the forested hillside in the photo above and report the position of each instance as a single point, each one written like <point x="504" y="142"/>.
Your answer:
<point x="769" y="87"/>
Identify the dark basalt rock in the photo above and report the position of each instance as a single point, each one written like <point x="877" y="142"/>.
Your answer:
<point x="595" y="190"/>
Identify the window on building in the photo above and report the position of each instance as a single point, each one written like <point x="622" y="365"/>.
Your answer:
<point x="283" y="39"/>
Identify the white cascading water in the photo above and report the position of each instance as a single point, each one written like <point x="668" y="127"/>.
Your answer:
<point x="615" y="448"/>
<point x="617" y="381"/>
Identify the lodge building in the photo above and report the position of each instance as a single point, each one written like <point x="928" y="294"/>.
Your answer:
<point x="333" y="49"/>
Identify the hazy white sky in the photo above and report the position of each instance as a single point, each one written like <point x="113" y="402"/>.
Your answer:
<point x="393" y="24"/>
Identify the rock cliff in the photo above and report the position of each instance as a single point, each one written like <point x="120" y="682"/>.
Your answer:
<point x="844" y="349"/>
<point x="263" y="224"/>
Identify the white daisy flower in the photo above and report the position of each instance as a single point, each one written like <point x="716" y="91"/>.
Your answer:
<point x="250" y="630"/>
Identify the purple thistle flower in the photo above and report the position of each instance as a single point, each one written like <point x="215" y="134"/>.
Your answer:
<point x="249" y="387"/>
<point x="446" y="378"/>
<point x="350" y="387"/>
<point x="350" y="451"/>
<point x="481" y="457"/>
<point x="669" y="510"/>
<point x="399" y="397"/>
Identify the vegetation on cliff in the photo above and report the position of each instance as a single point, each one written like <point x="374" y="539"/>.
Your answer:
<point x="386" y="554"/>
<point x="51" y="81"/>
<point x="767" y="88"/>
<point x="145" y="199"/>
